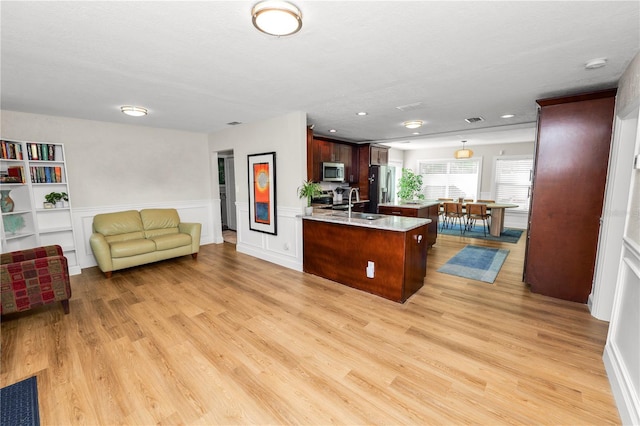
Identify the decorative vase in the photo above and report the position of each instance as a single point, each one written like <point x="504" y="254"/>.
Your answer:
<point x="6" y="202"/>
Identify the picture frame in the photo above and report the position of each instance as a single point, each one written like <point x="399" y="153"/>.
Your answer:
<point x="262" y="192"/>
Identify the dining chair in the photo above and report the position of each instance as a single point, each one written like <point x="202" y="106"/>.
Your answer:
<point x="453" y="211"/>
<point x="441" y="208"/>
<point x="486" y="201"/>
<point x="475" y="212"/>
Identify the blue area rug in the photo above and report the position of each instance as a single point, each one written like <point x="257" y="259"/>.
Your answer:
<point x="477" y="263"/>
<point x="507" y="236"/>
<point x="19" y="404"/>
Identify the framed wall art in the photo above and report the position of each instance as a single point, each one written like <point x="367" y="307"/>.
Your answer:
<point x="262" y="192"/>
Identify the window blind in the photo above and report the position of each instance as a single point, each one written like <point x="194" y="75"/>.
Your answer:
<point x="449" y="178"/>
<point x="513" y="181"/>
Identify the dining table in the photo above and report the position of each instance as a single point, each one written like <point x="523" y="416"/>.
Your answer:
<point x="496" y="226"/>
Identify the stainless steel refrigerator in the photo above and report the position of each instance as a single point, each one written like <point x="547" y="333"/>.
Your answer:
<point x="381" y="186"/>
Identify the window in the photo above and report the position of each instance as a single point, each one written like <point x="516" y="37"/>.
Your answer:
<point x="513" y="181"/>
<point x="450" y="178"/>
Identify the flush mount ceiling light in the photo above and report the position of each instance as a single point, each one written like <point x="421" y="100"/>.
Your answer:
<point x="361" y="113"/>
<point x="463" y="153"/>
<point x="595" y="63"/>
<point x="412" y="124"/>
<point x="508" y="116"/>
<point x="133" y="111"/>
<point x="277" y="18"/>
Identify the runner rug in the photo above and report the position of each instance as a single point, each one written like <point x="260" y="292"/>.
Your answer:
<point x="507" y="236"/>
<point x="477" y="263"/>
<point x="19" y="404"/>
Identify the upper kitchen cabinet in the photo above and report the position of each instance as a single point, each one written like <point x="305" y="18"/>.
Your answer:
<point x="379" y="155"/>
<point x="571" y="160"/>
<point x="322" y="150"/>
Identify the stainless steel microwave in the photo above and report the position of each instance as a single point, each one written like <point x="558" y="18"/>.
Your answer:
<point x="333" y="172"/>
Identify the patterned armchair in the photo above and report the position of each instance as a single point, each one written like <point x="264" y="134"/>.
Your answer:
<point x="34" y="277"/>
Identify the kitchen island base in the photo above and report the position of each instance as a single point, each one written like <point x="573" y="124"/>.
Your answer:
<point x="342" y="252"/>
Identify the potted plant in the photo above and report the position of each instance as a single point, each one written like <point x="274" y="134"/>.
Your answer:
<point x="55" y="199"/>
<point x="410" y="186"/>
<point x="308" y="190"/>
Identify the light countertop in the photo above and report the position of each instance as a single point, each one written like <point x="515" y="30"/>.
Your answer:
<point x="385" y="222"/>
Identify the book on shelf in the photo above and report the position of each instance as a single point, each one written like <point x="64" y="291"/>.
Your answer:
<point x="16" y="172"/>
<point x="45" y="174"/>
<point x="41" y="151"/>
<point x="11" y="150"/>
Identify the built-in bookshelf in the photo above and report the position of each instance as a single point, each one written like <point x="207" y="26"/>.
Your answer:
<point x="28" y="172"/>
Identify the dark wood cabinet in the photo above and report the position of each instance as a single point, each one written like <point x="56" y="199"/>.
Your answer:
<point x="571" y="161"/>
<point x="379" y="155"/>
<point x="322" y="150"/>
<point x="341" y="253"/>
<point x="427" y="212"/>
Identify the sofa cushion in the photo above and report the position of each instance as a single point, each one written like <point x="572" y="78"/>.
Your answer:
<point x="118" y="223"/>
<point x="169" y="241"/>
<point x="131" y="247"/>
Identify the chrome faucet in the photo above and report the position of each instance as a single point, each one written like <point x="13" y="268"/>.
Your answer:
<point x="357" y="191"/>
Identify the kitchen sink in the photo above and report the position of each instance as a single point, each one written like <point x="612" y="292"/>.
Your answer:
<point x="358" y="215"/>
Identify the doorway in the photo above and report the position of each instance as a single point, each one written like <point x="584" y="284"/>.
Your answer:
<point x="226" y="180"/>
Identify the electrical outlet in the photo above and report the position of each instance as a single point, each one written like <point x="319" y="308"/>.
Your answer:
<point x="371" y="269"/>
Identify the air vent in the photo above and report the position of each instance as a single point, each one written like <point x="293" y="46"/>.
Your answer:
<point x="473" y="119"/>
<point x="234" y="123"/>
<point x="410" y="107"/>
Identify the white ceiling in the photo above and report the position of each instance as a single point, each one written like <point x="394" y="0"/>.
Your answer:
<point x="200" y="65"/>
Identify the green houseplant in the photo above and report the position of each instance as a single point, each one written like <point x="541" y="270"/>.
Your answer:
<point x="410" y="185"/>
<point x="55" y="197"/>
<point x="308" y="190"/>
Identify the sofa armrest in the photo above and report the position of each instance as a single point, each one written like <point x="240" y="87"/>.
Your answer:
<point x="101" y="251"/>
<point x="34" y="282"/>
<point x="32" y="253"/>
<point x="193" y="229"/>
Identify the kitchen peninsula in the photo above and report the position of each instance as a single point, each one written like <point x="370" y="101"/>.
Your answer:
<point x="383" y="255"/>
<point x="429" y="209"/>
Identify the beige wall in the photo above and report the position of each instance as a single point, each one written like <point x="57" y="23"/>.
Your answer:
<point x="114" y="164"/>
<point x="488" y="153"/>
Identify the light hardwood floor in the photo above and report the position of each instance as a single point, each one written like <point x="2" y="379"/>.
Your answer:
<point x="230" y="339"/>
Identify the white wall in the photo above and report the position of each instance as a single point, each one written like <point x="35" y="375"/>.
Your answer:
<point x="113" y="167"/>
<point x="286" y="136"/>
<point x="622" y="350"/>
<point x="488" y="154"/>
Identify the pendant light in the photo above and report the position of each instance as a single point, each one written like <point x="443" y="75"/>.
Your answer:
<point x="463" y="153"/>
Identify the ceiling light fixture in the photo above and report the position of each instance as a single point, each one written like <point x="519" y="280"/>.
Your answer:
<point x="463" y="153"/>
<point x="508" y="116"/>
<point x="361" y="113"/>
<point x="412" y="124"/>
<point x="277" y="18"/>
<point x="133" y="111"/>
<point x="595" y="63"/>
<point x="332" y="130"/>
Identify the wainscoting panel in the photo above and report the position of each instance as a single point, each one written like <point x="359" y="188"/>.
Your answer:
<point x="284" y="249"/>
<point x="622" y="348"/>
<point x="190" y="211"/>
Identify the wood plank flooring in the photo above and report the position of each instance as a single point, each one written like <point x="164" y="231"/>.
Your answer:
<point x="230" y="339"/>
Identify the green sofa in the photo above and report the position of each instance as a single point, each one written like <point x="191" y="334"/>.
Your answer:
<point x="131" y="238"/>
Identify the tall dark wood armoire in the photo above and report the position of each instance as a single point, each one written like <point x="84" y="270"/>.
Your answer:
<point x="570" y="171"/>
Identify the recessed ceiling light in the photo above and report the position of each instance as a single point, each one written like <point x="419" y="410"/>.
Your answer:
<point x="332" y="130"/>
<point x="415" y="133"/>
<point x="277" y="18"/>
<point x="508" y="116"/>
<point x="133" y="111"/>
<point x="412" y="124"/>
<point x="595" y="63"/>
<point x="361" y="113"/>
